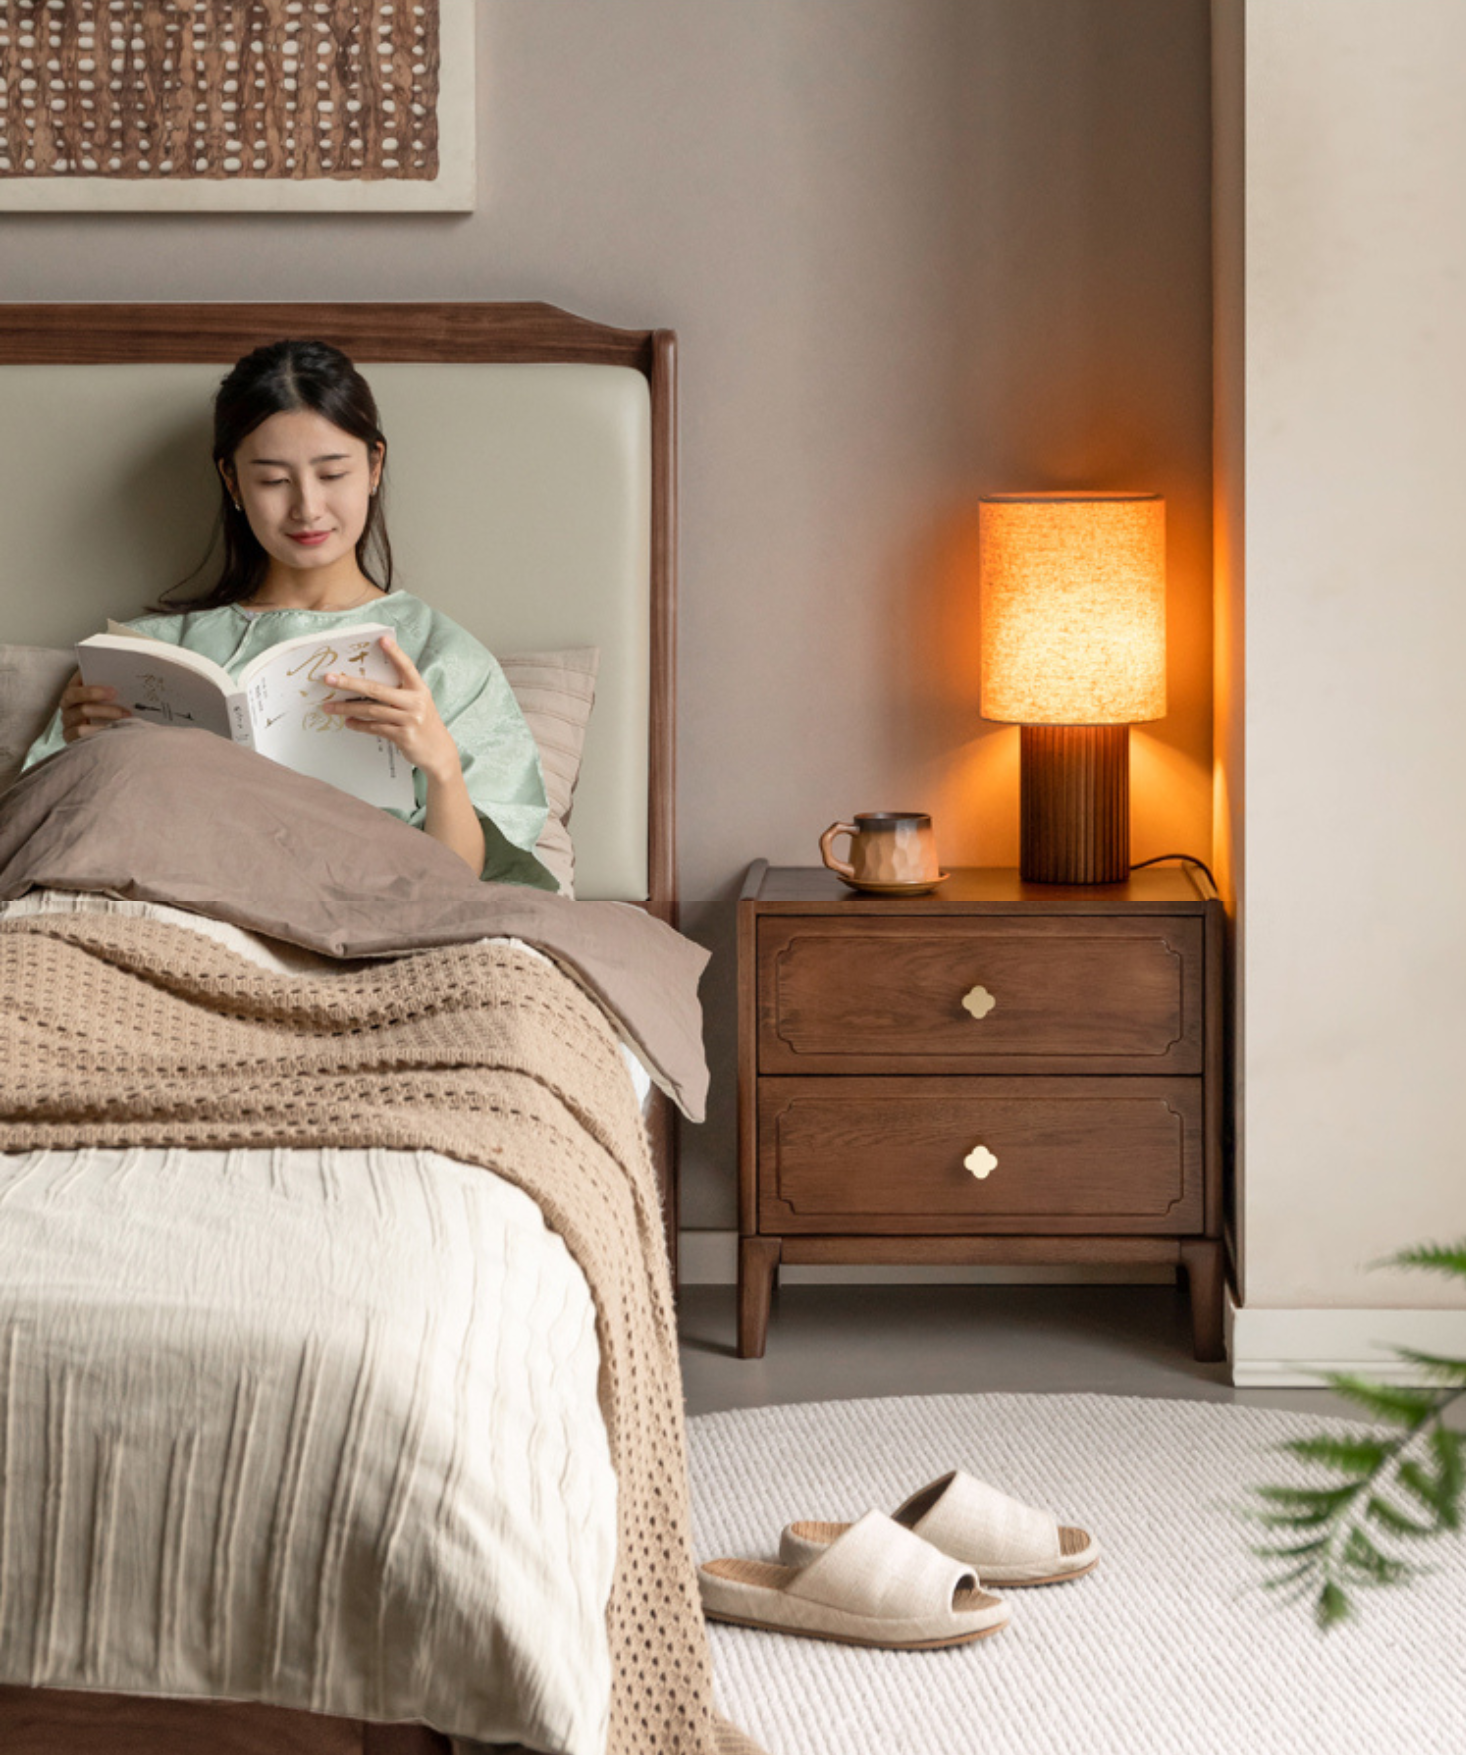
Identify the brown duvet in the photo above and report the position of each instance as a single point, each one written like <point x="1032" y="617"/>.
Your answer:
<point x="114" y="1030"/>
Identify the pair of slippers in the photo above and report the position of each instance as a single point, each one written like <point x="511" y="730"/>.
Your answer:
<point x="910" y="1582"/>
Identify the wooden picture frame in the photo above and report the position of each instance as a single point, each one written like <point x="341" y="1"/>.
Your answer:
<point x="238" y="106"/>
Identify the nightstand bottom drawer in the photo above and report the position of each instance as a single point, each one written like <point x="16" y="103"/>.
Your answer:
<point x="973" y="1155"/>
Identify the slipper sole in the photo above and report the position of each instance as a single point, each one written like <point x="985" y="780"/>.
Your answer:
<point x="996" y="1578"/>
<point x="752" y="1593"/>
<point x="851" y="1639"/>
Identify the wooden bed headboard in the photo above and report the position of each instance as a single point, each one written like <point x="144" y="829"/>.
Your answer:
<point x="537" y="508"/>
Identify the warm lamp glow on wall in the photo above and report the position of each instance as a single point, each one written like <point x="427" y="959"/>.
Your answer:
<point x="1073" y="598"/>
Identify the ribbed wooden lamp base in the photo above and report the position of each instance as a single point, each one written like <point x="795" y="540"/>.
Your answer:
<point x="1075" y="804"/>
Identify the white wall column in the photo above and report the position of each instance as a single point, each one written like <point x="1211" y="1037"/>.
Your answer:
<point x="1351" y="270"/>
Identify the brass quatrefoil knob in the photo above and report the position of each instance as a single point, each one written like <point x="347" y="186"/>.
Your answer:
<point x="981" y="1162"/>
<point x="979" y="1002"/>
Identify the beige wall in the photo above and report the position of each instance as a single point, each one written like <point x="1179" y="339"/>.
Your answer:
<point x="915" y="250"/>
<point x="1355" y="957"/>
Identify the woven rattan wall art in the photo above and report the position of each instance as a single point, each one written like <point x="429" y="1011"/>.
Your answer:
<point x="236" y="105"/>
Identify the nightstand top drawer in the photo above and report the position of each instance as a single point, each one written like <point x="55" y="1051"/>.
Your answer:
<point x="973" y="994"/>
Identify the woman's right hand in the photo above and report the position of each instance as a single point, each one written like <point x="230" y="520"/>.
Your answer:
<point x="85" y="709"/>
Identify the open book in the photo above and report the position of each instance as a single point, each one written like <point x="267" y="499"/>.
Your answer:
<point x="274" y="708"/>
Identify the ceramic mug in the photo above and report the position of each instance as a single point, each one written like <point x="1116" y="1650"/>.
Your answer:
<point x="887" y="848"/>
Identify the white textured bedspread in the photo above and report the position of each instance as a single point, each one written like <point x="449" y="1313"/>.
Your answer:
<point x="319" y="1428"/>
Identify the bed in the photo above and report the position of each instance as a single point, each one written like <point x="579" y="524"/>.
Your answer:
<point x="464" y="1088"/>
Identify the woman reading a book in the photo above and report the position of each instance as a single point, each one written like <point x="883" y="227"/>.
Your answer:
<point x="300" y="455"/>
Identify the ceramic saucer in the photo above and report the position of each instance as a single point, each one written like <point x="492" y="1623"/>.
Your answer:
<point x="922" y="889"/>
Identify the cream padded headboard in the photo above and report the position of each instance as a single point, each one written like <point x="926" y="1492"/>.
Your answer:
<point x="519" y="503"/>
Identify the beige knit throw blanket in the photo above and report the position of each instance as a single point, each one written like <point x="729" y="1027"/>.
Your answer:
<point x="118" y="1031"/>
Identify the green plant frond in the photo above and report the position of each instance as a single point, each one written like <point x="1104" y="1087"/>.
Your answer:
<point x="1324" y="1541"/>
<point x="1297" y="1580"/>
<point x="1447" y="1447"/>
<point x="1419" y="1481"/>
<point x="1368" y="1564"/>
<point x="1396" y="1402"/>
<point x="1300" y="1522"/>
<point x="1306" y="1499"/>
<point x="1332" y="1606"/>
<point x="1376" y="1574"/>
<point x="1303" y="1575"/>
<point x="1288" y="1551"/>
<point x="1283" y="1601"/>
<point x="1446" y="1258"/>
<point x="1351" y="1456"/>
<point x="1297" y="1523"/>
<point x="1397" y="1522"/>
<point x="1452" y="1371"/>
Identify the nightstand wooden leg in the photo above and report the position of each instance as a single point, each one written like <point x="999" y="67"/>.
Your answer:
<point x="1202" y="1259"/>
<point x="758" y="1262"/>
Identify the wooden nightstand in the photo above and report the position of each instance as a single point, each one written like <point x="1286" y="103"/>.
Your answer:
<point x="997" y="1073"/>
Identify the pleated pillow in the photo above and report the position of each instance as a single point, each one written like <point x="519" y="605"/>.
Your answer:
<point x="31" y="681"/>
<point x="555" y="692"/>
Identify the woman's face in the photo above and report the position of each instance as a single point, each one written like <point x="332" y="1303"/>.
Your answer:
<point x="305" y="487"/>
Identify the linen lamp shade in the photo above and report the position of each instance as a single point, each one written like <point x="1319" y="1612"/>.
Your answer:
<point x="1073" y="608"/>
<point x="1073" y="602"/>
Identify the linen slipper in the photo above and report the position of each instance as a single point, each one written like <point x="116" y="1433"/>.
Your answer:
<point x="874" y="1584"/>
<point x="1009" y="1543"/>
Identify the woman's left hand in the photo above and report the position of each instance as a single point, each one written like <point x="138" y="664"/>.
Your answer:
<point x="405" y="715"/>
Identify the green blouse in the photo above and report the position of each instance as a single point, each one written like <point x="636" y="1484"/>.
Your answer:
<point x="501" y="766"/>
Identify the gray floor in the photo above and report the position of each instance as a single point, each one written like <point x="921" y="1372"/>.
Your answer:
<point x="834" y="1342"/>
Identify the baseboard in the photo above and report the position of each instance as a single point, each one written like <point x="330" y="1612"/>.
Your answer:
<point x="1291" y="1348"/>
<point x="710" y="1258"/>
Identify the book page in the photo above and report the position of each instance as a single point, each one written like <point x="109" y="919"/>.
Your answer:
<point x="155" y="685"/>
<point x="286" y="695"/>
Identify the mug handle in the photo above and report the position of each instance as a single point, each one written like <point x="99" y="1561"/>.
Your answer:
<point x="826" y="844"/>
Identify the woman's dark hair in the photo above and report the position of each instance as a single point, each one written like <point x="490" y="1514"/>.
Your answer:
<point x="283" y="378"/>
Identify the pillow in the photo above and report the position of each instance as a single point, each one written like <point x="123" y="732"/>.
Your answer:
<point x="31" y="681"/>
<point x="555" y="692"/>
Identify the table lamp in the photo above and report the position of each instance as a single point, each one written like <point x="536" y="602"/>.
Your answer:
<point x="1073" y="601"/>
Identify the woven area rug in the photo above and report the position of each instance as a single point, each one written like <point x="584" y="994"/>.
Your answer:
<point x="1169" y="1644"/>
